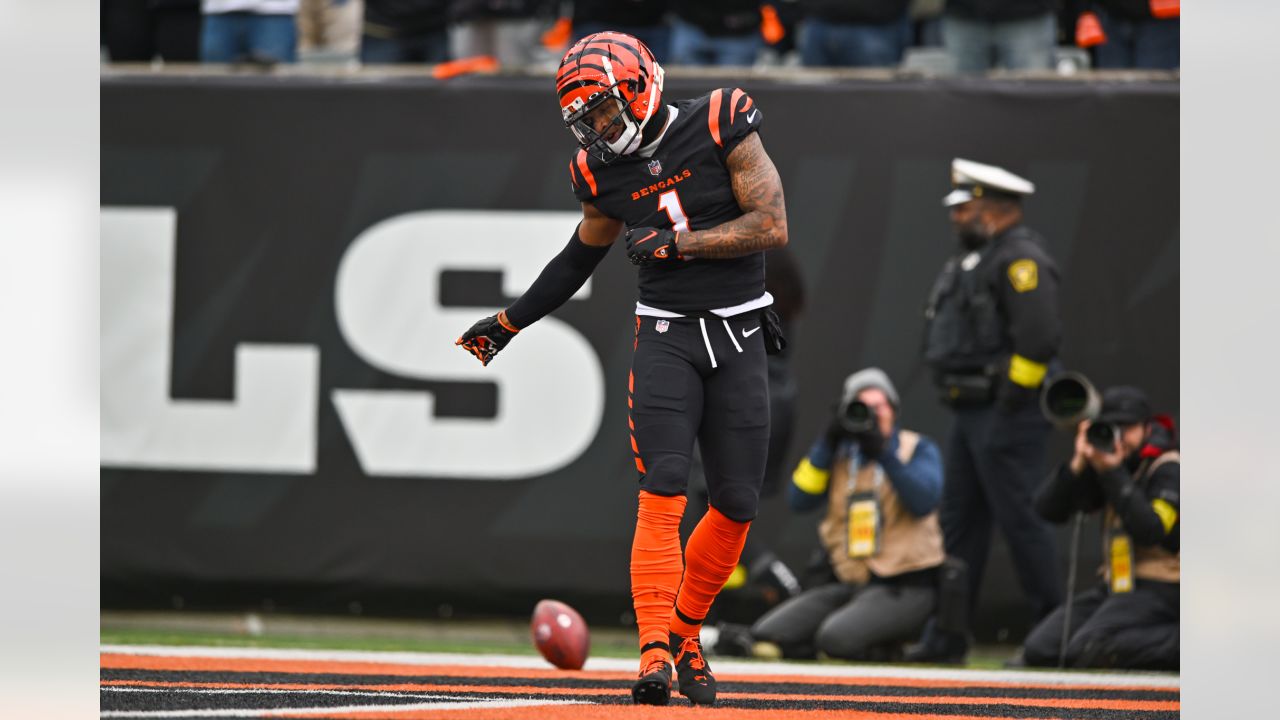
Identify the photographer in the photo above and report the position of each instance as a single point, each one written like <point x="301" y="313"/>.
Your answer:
<point x="881" y="486"/>
<point x="1126" y="465"/>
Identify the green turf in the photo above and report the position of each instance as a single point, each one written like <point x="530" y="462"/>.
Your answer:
<point x="374" y="643"/>
<point x="610" y="645"/>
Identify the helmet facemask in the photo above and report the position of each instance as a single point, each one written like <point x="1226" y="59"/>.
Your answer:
<point x="621" y="136"/>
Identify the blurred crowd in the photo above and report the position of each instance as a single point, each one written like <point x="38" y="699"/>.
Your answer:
<point x="939" y="35"/>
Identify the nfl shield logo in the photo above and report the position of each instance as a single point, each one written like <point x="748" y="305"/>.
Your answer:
<point x="655" y="167"/>
<point x="662" y="325"/>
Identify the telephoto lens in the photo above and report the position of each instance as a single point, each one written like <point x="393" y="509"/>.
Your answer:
<point x="1102" y="436"/>
<point x="856" y="418"/>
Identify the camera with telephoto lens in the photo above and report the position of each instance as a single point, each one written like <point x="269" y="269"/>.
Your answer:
<point x="1069" y="399"/>
<point x="856" y="418"/>
<point x="1102" y="436"/>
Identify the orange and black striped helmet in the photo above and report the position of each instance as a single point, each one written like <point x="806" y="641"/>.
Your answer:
<point x="616" y="72"/>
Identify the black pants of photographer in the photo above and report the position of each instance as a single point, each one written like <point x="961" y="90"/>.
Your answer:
<point x="994" y="464"/>
<point x="1135" y="630"/>
<point x="847" y="621"/>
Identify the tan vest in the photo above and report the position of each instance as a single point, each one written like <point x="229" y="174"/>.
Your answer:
<point x="1150" y="562"/>
<point x="907" y="542"/>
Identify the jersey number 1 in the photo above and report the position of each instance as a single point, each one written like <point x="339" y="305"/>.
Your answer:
<point x="670" y="201"/>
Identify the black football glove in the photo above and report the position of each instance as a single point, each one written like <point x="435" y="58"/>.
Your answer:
<point x="649" y="245"/>
<point x="487" y="337"/>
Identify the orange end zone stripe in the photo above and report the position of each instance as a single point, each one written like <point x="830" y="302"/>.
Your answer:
<point x="124" y="661"/>
<point x="1071" y="703"/>
<point x="633" y="712"/>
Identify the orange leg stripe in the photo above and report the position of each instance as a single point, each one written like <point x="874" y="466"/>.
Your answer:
<point x="640" y="465"/>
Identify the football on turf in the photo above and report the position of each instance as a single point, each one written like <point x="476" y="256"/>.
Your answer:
<point x="560" y="634"/>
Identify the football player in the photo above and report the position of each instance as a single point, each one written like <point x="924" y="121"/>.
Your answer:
<point x="700" y="201"/>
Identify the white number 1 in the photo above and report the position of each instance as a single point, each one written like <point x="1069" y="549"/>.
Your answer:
<point x="670" y="201"/>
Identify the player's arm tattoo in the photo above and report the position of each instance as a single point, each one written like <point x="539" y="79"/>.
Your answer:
<point x="758" y="190"/>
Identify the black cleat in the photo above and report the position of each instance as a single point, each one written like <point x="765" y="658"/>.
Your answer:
<point x="653" y="687"/>
<point x="694" y="675"/>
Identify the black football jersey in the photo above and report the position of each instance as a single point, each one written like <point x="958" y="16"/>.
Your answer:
<point x="684" y="185"/>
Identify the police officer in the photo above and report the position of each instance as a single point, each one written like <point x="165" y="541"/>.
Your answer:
<point x="1129" y="472"/>
<point x="992" y="330"/>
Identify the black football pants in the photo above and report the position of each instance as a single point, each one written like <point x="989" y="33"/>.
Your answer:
<point x="702" y="378"/>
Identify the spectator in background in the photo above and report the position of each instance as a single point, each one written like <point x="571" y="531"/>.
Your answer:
<point x="1131" y="33"/>
<point x="854" y="33"/>
<point x="880" y="485"/>
<point x="329" y="26"/>
<point x="405" y="31"/>
<point x="642" y="19"/>
<point x="263" y="31"/>
<point x="509" y="30"/>
<point x="716" y="32"/>
<point x="1010" y="34"/>
<point x="142" y="30"/>
<point x="1129" y="619"/>
<point x="926" y="19"/>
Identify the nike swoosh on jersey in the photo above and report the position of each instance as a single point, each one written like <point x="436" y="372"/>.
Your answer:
<point x="748" y="333"/>
<point x="752" y="116"/>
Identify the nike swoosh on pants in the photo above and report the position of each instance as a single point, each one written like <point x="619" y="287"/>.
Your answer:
<point x="746" y="333"/>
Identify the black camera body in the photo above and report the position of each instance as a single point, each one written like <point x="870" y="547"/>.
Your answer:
<point x="856" y="418"/>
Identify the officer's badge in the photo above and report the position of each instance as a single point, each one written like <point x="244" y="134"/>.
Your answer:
<point x="655" y="167"/>
<point x="661" y="326"/>
<point x="1024" y="275"/>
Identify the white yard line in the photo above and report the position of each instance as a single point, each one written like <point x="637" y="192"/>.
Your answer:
<point x="347" y="709"/>
<point x="723" y="668"/>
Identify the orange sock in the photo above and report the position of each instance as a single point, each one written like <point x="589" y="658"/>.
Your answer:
<point x="656" y="564"/>
<point x="710" y="556"/>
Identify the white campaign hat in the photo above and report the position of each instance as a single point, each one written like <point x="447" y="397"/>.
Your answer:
<point x="974" y="179"/>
